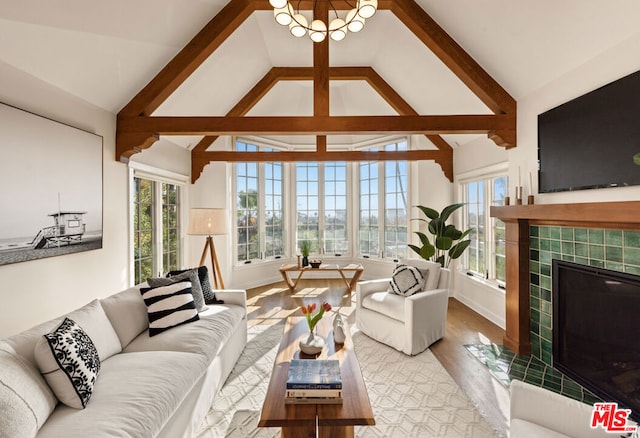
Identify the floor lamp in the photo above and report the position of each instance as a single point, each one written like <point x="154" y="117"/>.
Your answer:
<point x="209" y="222"/>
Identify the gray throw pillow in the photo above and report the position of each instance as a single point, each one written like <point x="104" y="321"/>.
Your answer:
<point x="191" y="276"/>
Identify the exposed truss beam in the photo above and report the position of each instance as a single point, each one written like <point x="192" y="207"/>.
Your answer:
<point x="317" y="125"/>
<point x="367" y="74"/>
<point x="131" y="139"/>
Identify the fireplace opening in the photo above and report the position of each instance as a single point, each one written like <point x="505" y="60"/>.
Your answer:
<point x="596" y="331"/>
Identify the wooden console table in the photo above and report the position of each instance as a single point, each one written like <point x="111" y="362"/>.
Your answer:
<point x="316" y="420"/>
<point x="341" y="269"/>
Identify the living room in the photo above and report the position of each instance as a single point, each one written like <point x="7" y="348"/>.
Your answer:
<point x="74" y="66"/>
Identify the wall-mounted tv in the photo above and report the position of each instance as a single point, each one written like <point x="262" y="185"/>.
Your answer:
<point x="589" y="142"/>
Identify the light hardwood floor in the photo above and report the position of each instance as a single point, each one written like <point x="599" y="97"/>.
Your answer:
<point x="271" y="304"/>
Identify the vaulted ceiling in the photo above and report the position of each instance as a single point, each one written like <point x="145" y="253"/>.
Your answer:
<point x="106" y="53"/>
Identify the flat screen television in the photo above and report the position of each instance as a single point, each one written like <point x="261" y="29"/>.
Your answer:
<point x="589" y="142"/>
<point x="596" y="331"/>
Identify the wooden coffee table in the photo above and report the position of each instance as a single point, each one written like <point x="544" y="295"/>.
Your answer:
<point x="311" y="420"/>
<point x="354" y="268"/>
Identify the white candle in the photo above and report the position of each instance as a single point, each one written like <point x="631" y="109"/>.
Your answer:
<point x="530" y="184"/>
<point x="519" y="181"/>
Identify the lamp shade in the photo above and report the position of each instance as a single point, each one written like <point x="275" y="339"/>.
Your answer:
<point x="207" y="221"/>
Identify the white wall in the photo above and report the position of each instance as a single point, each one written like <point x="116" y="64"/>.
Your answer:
<point x="32" y="292"/>
<point x="611" y="65"/>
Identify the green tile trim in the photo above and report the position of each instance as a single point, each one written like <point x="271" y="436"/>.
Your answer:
<point x="618" y="250"/>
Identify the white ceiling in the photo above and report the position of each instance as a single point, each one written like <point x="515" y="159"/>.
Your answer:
<point x="105" y="52"/>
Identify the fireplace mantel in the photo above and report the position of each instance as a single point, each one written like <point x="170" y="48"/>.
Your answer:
<point x="517" y="218"/>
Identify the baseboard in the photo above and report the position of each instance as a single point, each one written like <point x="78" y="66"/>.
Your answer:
<point x="481" y="309"/>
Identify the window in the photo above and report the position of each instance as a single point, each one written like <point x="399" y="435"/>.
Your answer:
<point x="486" y="254"/>
<point x="156" y="228"/>
<point x="321" y="206"/>
<point x="259" y="208"/>
<point x="383" y="221"/>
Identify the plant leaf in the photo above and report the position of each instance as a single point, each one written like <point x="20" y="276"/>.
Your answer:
<point x="457" y="250"/>
<point x="453" y="232"/>
<point x="423" y="238"/>
<point x="444" y="242"/>
<point x="636" y="158"/>
<point x="440" y="260"/>
<point x="446" y="212"/>
<point x="415" y="248"/>
<point x="435" y="226"/>
<point x="427" y="251"/>
<point x="465" y="234"/>
<point x="428" y="212"/>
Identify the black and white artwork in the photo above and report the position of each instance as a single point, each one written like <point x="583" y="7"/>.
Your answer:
<point x="51" y="188"/>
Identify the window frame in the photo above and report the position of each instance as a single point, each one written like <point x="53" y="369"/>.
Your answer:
<point x="486" y="175"/>
<point x="261" y="214"/>
<point x="382" y="201"/>
<point x="157" y="177"/>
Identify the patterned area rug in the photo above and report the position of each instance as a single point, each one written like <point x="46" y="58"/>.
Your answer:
<point x="410" y="396"/>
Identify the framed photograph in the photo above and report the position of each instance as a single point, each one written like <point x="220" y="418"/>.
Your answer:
<point x="51" y="179"/>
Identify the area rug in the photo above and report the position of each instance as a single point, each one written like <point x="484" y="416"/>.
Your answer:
<point x="411" y="396"/>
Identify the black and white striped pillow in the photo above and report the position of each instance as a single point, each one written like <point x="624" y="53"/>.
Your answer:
<point x="169" y="306"/>
<point x="407" y="280"/>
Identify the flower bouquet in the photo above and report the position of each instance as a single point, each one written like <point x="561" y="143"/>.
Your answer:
<point x="314" y="343"/>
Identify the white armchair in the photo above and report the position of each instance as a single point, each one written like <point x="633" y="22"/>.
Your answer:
<point x="408" y="324"/>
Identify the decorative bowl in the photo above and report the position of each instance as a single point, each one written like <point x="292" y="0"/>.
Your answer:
<point x="315" y="263"/>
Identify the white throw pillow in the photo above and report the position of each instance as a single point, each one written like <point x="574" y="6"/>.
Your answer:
<point x="406" y="280"/>
<point x="93" y="320"/>
<point x="69" y="361"/>
<point x="169" y="306"/>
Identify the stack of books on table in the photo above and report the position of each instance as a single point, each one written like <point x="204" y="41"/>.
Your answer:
<point x="314" y="381"/>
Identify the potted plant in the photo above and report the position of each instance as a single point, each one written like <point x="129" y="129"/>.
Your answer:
<point x="305" y="247"/>
<point x="447" y="239"/>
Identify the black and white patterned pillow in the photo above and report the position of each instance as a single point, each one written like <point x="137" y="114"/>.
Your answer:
<point x="169" y="306"/>
<point x="77" y="357"/>
<point x="407" y="280"/>
<point x="191" y="276"/>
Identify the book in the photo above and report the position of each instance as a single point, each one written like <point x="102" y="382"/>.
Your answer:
<point x="310" y="393"/>
<point x="313" y="400"/>
<point x="314" y="374"/>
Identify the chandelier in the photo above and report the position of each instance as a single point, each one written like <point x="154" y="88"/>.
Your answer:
<point x="286" y="15"/>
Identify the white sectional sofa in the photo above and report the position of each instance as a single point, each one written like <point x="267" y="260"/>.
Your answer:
<point x="160" y="386"/>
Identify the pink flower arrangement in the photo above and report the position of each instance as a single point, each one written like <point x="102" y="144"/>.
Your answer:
<point x="310" y="308"/>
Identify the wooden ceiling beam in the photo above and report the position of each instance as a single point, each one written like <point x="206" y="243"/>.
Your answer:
<point x="297" y="156"/>
<point x="189" y="58"/>
<point x="317" y="125"/>
<point x="454" y="56"/>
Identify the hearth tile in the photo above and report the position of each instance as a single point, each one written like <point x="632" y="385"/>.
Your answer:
<point x="554" y="232"/>
<point x="613" y="254"/>
<point x="581" y="235"/>
<point x="534" y="243"/>
<point x="614" y="266"/>
<point x="596" y="252"/>
<point x="555" y="246"/>
<point x="582" y="250"/>
<point x="543" y="232"/>
<point x="632" y="269"/>
<point x="544" y="244"/>
<point x="568" y="248"/>
<point x="545" y="282"/>
<point x="534" y="255"/>
<point x="535" y="303"/>
<point x="596" y="236"/>
<point x="534" y="267"/>
<point x="582" y="260"/>
<point x="568" y="258"/>
<point x="545" y="294"/>
<point x="567" y="234"/>
<point x="632" y="238"/>
<point x="613" y="237"/>
<point x="534" y="231"/>
<point x="534" y="290"/>
<point x="632" y="256"/>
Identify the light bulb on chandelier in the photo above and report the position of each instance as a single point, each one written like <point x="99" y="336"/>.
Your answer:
<point x="285" y="14"/>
